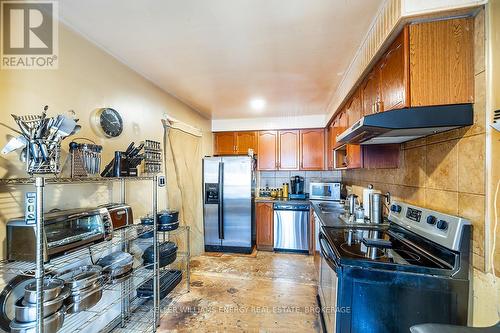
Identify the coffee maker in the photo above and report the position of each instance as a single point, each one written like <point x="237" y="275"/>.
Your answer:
<point x="297" y="188"/>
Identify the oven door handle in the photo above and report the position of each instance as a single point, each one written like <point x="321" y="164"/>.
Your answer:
<point x="327" y="254"/>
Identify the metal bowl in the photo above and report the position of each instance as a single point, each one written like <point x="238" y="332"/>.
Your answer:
<point x="26" y="312"/>
<point x="85" y="299"/>
<point x="52" y="287"/>
<point x="81" y="277"/>
<point x="51" y="324"/>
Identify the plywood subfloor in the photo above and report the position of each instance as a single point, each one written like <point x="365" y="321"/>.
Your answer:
<point x="267" y="292"/>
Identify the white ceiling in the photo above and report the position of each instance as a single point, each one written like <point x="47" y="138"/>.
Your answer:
<point x="217" y="55"/>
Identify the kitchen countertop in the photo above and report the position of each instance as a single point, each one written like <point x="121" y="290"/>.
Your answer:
<point x="329" y="219"/>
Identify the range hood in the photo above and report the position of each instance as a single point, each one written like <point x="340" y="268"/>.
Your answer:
<point x="407" y="124"/>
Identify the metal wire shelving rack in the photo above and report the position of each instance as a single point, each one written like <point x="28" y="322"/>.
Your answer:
<point x="136" y="314"/>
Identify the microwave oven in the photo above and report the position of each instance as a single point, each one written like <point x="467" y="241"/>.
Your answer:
<point x="324" y="191"/>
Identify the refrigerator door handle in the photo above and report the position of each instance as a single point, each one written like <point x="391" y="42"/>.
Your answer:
<point x="221" y="200"/>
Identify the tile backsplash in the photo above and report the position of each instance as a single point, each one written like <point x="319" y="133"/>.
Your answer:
<point x="275" y="179"/>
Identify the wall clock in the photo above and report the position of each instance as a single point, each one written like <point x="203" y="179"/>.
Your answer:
<point x="109" y="122"/>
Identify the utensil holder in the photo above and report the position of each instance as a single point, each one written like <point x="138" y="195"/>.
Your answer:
<point x="43" y="157"/>
<point x="85" y="158"/>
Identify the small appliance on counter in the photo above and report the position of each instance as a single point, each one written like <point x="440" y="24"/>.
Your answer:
<point x="65" y="231"/>
<point x="121" y="215"/>
<point x="297" y="189"/>
<point x="125" y="163"/>
<point x="324" y="191"/>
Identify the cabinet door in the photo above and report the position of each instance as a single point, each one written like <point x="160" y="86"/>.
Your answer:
<point x="267" y="144"/>
<point x="312" y="149"/>
<point x="224" y="143"/>
<point x="245" y="141"/>
<point x="264" y="226"/>
<point x="370" y="92"/>
<point x="330" y="143"/>
<point x="353" y="157"/>
<point x="394" y="75"/>
<point x="288" y="150"/>
<point x="342" y="122"/>
<point x="441" y="62"/>
<point x="353" y="109"/>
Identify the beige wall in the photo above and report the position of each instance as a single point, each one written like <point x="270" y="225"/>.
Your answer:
<point x="87" y="79"/>
<point x="448" y="172"/>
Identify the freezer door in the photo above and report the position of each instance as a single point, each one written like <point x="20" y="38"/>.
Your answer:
<point x="211" y="192"/>
<point x="237" y="201"/>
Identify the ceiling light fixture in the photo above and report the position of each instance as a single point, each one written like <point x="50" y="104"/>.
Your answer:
<point x="258" y="104"/>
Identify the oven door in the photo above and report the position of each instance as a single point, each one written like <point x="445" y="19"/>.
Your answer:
<point x="328" y="284"/>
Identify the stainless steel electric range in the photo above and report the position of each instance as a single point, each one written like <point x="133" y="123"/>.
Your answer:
<point x="387" y="279"/>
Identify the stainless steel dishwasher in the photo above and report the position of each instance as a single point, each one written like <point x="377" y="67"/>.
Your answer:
<point x="291" y="227"/>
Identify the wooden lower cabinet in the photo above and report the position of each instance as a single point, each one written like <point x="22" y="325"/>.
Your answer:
<point x="264" y="221"/>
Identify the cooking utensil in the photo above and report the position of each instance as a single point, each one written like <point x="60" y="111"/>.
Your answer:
<point x="81" y="277"/>
<point x="85" y="299"/>
<point x="26" y="312"/>
<point x="51" y="324"/>
<point x="167" y="252"/>
<point x="10" y="294"/>
<point x="116" y="263"/>
<point x="52" y="287"/>
<point x="352" y="200"/>
<point x="168" y="216"/>
<point x="14" y="144"/>
<point x="168" y="281"/>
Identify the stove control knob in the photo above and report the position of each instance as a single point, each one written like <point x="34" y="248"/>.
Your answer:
<point x="431" y="219"/>
<point x="442" y="225"/>
<point x="396" y="208"/>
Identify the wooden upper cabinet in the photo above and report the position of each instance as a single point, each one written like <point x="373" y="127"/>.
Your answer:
<point x="330" y="144"/>
<point x="246" y="141"/>
<point x="267" y="145"/>
<point x="312" y="149"/>
<point x="264" y="223"/>
<point x="234" y="143"/>
<point x="441" y="62"/>
<point x="224" y="143"/>
<point x="370" y="92"/>
<point x="288" y="150"/>
<point x="353" y="109"/>
<point x="394" y="87"/>
<point x="354" y="158"/>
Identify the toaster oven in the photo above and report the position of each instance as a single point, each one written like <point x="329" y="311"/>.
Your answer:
<point x="65" y="231"/>
<point x="121" y="215"/>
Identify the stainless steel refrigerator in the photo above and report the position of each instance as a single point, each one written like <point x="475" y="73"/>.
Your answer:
<point x="229" y="184"/>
